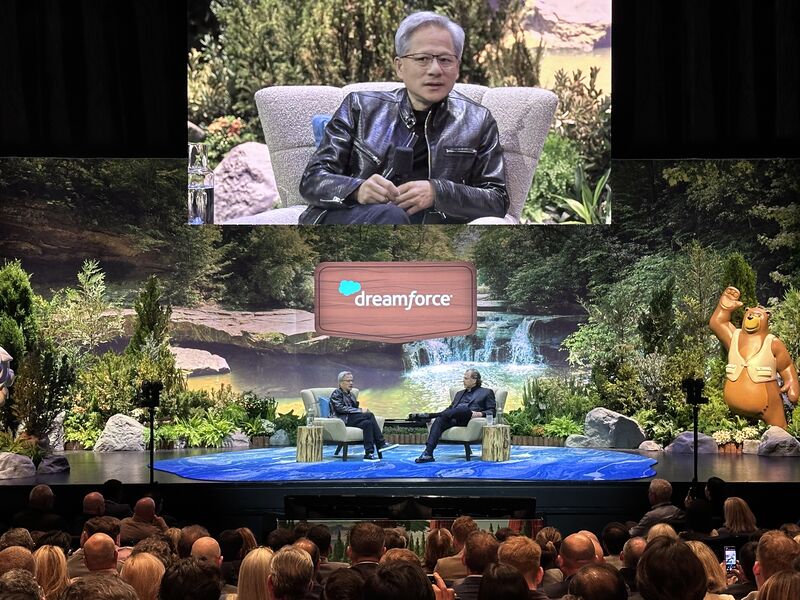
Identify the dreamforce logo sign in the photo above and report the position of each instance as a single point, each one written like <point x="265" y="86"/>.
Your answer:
<point x="405" y="301"/>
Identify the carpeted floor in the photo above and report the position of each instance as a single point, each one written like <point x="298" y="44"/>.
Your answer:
<point x="527" y="464"/>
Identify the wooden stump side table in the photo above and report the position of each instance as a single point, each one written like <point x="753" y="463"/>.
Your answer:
<point x="309" y="444"/>
<point x="496" y="443"/>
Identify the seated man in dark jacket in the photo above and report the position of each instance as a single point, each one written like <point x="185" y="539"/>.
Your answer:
<point x="423" y="154"/>
<point x="345" y="406"/>
<point x="472" y="401"/>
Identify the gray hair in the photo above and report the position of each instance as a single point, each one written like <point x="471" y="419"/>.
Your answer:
<point x="342" y="375"/>
<point x="417" y="20"/>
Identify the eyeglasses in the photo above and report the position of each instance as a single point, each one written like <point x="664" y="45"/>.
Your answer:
<point x="423" y="61"/>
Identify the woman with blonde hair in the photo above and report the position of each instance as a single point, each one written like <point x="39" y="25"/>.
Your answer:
<point x="782" y="585"/>
<point x="664" y="529"/>
<point x="715" y="572"/>
<point x="438" y="544"/>
<point x="253" y="576"/>
<point x="739" y="519"/>
<point x="51" y="570"/>
<point x="143" y="572"/>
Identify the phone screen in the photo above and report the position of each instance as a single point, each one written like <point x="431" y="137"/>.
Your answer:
<point x="730" y="558"/>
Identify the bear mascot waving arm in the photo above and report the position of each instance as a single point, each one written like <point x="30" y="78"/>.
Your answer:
<point x="755" y="358"/>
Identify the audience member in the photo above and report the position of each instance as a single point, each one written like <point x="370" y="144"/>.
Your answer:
<point x="20" y="584"/>
<point x="16" y="557"/>
<point x="438" y="544"/>
<point x="365" y="547"/>
<point x="775" y="552"/>
<point x="400" y="555"/>
<point x="739" y="519"/>
<point x="206" y="549"/>
<point x="669" y="570"/>
<point x="231" y="544"/>
<point x="143" y="572"/>
<point x="503" y="533"/>
<point x="158" y="547"/>
<point x="59" y="539"/>
<point x="452" y="567"/>
<point x="112" y="495"/>
<point x="791" y="530"/>
<point x="480" y="550"/>
<point x="662" y="530"/>
<point x="525" y="555"/>
<point x="301" y="529"/>
<point x="50" y="568"/>
<point x="699" y="524"/>
<point x="502" y="581"/>
<point x="39" y="515"/>
<point x="279" y="538"/>
<point x="107" y="525"/>
<point x="614" y="536"/>
<point x="100" y="555"/>
<point x="253" y="576"/>
<point x="94" y="505"/>
<point x="393" y="539"/>
<point x="598" y="582"/>
<point x="291" y="573"/>
<point x="745" y="580"/>
<point x="715" y="572"/>
<point x="17" y="536"/>
<point x="344" y="584"/>
<point x="173" y="535"/>
<point x="190" y="578"/>
<point x="99" y="587"/>
<point x="783" y="585"/>
<point x="398" y="581"/>
<point x="189" y="535"/>
<point x="250" y="542"/>
<point x="577" y="551"/>
<point x="549" y="540"/>
<point x="659" y="495"/>
<point x="142" y="524"/>
<point x="598" y="547"/>
<point x="321" y="536"/>
<point x="631" y="554"/>
<point x="306" y="544"/>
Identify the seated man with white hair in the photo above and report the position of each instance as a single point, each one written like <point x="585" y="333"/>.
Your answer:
<point x="419" y="154"/>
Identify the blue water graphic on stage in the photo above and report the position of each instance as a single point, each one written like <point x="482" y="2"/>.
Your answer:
<point x="527" y="464"/>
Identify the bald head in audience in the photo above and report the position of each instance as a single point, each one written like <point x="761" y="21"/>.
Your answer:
<point x="206" y="549"/>
<point x="576" y="551"/>
<point x="145" y="509"/>
<point x="100" y="553"/>
<point x="94" y="504"/>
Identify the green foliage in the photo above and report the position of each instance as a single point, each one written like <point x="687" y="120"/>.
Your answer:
<point x="548" y="400"/>
<point x="83" y="426"/>
<point x="208" y="78"/>
<point x="714" y="416"/>
<point x="785" y="322"/>
<point x="562" y="427"/>
<point x="222" y="134"/>
<point x="44" y="379"/>
<point x="617" y="385"/>
<point x="555" y="173"/>
<point x="106" y="387"/>
<point x="17" y="300"/>
<point x="255" y="426"/>
<point x="194" y="273"/>
<point x="739" y="274"/>
<point x="183" y="404"/>
<point x="11" y="338"/>
<point x="264" y="407"/>
<point x="23" y="446"/>
<point x="589" y="206"/>
<point x="794" y="424"/>
<point x="656" y="325"/>
<point x="289" y="422"/>
<point x="152" y="319"/>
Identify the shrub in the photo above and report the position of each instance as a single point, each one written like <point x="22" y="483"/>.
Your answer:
<point x="562" y="427"/>
<point x="554" y="176"/>
<point x="17" y="300"/>
<point x="222" y="134"/>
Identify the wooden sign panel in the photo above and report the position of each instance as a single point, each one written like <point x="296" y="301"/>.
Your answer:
<point x="395" y="302"/>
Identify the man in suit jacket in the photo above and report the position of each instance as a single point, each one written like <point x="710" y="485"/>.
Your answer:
<point x="479" y="552"/>
<point x="472" y="401"/>
<point x="453" y="567"/>
<point x="365" y="546"/>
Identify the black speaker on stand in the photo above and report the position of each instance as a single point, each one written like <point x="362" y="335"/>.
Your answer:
<point x="150" y="398"/>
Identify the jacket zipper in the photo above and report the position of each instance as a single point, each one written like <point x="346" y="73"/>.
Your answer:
<point x="471" y="151"/>
<point x="358" y="144"/>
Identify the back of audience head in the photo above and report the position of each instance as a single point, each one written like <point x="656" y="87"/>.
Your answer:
<point x="598" y="547"/>
<point x="503" y="581"/>
<point x="291" y="573"/>
<point x="206" y="549"/>
<point x="190" y="578"/>
<point x="344" y="584"/>
<point x="775" y="552"/>
<point x="461" y="528"/>
<point x="661" y="530"/>
<point x="632" y="552"/>
<point x="94" y="504"/>
<point x="250" y="542"/>
<point x="480" y="550"/>
<point x="16" y="557"/>
<point x="173" y="536"/>
<point x="715" y="573"/>
<point x="41" y="497"/>
<point x="669" y="570"/>
<point x="145" y="508"/>
<point x="143" y="572"/>
<point x="549" y="540"/>
<point x="739" y="518"/>
<point x="17" y="536"/>
<point x="783" y="585"/>
<point x="301" y="529"/>
<point x="189" y="535"/>
<point x="366" y="540"/>
<point x="321" y="536"/>
<point x="398" y="581"/>
<point x="747" y="558"/>
<point x="50" y="568"/>
<point x="99" y="587"/>
<point x="598" y="581"/>
<point x="253" y="573"/>
<point x="108" y="525"/>
<point x="699" y="516"/>
<point x="230" y="545"/>
<point x="392" y="538"/>
<point x="395" y="555"/>
<point x="19" y="584"/>
<point x="100" y="552"/>
<point x="715" y="490"/>
<point x="614" y="536"/>
<point x="158" y="547"/>
<point x="306" y="544"/>
<point x="791" y="530"/>
<point x="279" y="538"/>
<point x="112" y="490"/>
<point x="438" y="544"/>
<point x="660" y="490"/>
<point x="523" y="554"/>
<point x="503" y="533"/>
<point x="577" y="550"/>
<point x="59" y="539"/>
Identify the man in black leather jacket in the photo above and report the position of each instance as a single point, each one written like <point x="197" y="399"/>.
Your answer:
<point x="345" y="406"/>
<point x="455" y="171"/>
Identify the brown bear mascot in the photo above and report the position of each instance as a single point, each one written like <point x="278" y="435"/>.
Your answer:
<point x="755" y="357"/>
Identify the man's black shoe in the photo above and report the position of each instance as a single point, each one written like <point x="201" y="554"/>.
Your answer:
<point x="371" y="457"/>
<point x="424" y="458"/>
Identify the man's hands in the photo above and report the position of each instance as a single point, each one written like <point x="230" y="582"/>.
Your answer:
<point x="476" y="414"/>
<point x="412" y="197"/>
<point x="440" y="590"/>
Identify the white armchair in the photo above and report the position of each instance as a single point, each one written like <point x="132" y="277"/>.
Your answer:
<point x="334" y="431"/>
<point x="472" y="433"/>
<point x="523" y="116"/>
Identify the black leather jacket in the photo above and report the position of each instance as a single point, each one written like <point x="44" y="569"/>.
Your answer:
<point x="343" y="405"/>
<point x="465" y="157"/>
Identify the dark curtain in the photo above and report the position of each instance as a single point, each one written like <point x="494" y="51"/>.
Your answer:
<point x="705" y="78"/>
<point x="93" y="78"/>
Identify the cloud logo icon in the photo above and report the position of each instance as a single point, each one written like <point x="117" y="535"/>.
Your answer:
<point x="348" y="288"/>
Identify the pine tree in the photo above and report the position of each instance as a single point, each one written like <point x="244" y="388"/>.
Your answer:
<point x="740" y="275"/>
<point x="656" y="324"/>
<point x="152" y="319"/>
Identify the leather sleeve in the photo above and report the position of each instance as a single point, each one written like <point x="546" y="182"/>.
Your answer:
<point x="340" y="405"/>
<point x="324" y="183"/>
<point x="489" y="404"/>
<point x="485" y="194"/>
